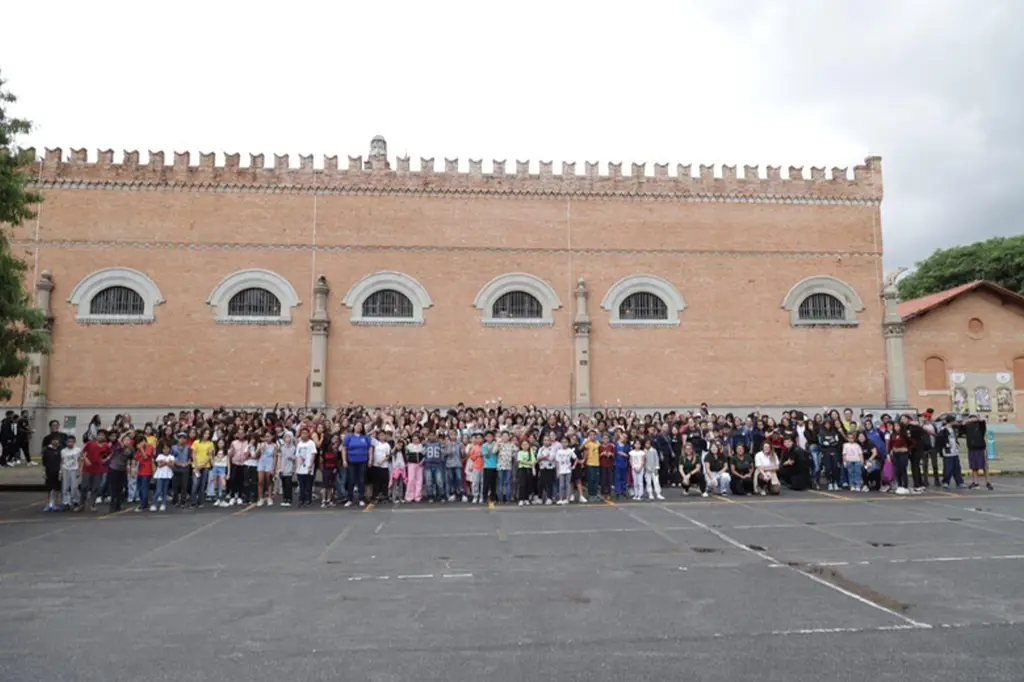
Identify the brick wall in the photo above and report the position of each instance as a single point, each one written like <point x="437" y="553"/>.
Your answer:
<point x="733" y="263"/>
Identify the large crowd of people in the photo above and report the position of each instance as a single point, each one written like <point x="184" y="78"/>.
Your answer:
<point x="524" y="455"/>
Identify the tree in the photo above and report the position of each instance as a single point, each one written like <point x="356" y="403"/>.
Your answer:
<point x="999" y="260"/>
<point x="22" y="326"/>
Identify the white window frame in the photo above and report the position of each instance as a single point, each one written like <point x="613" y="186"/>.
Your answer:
<point x="643" y="283"/>
<point x="247" y="279"/>
<point x="387" y="279"/>
<point x="823" y="284"/>
<point x="517" y="281"/>
<point x="92" y="284"/>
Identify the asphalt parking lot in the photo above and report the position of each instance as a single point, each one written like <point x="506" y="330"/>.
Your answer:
<point x="809" y="586"/>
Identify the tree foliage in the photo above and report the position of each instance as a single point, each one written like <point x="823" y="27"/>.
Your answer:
<point x="999" y="260"/>
<point x="22" y="326"/>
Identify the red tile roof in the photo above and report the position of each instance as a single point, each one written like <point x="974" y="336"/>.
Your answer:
<point x="919" y="306"/>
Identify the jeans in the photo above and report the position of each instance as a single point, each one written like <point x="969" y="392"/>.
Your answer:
<point x="620" y="480"/>
<point x="143" y="486"/>
<point x="340" y="484"/>
<point x="160" y="496"/>
<point x="434" y="478"/>
<point x="504" y="485"/>
<point x="830" y="463"/>
<point x="202" y="477"/>
<point x="91" y="486"/>
<point x="593" y="479"/>
<point x="933" y="456"/>
<point x="306" y="489"/>
<point x="951" y="470"/>
<point x="605" y="479"/>
<point x="899" y="462"/>
<point x="564" y="486"/>
<point x="454" y="482"/>
<point x="815" y="451"/>
<point x="356" y="481"/>
<point x="719" y="482"/>
<point x="546" y="484"/>
<point x="853" y="473"/>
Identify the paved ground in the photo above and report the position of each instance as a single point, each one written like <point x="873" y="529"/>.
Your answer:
<point x="815" y="586"/>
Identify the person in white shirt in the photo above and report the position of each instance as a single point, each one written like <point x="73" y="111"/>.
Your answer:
<point x="305" y="456"/>
<point x="70" y="460"/>
<point x="766" y="471"/>
<point x="162" y="478"/>
<point x="380" y="466"/>
<point x="564" y="459"/>
<point x="637" y="459"/>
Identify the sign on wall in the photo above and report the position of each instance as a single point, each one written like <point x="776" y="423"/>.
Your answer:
<point x="985" y="393"/>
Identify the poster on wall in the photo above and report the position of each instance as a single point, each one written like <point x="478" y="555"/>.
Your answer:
<point x="988" y="394"/>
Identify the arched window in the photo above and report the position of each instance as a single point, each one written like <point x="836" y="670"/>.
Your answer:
<point x="517" y="305"/>
<point x="117" y="300"/>
<point x="253" y="296"/>
<point x="254" y="302"/>
<point x="643" y="305"/>
<point x="643" y="300"/>
<point x="387" y="303"/>
<point x="935" y="374"/>
<point x="387" y="299"/>
<point x="821" y="308"/>
<point x="517" y="299"/>
<point x="115" y="296"/>
<point x="822" y="301"/>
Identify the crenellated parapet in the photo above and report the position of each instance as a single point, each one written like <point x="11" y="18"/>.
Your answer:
<point x="160" y="171"/>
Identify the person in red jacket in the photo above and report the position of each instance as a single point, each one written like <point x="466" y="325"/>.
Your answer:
<point x="94" y="455"/>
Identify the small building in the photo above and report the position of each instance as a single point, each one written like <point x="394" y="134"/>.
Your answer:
<point x="963" y="350"/>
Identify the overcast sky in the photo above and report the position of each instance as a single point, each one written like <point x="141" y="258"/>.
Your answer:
<point x="933" y="86"/>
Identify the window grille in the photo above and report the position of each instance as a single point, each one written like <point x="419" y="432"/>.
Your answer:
<point x="517" y="305"/>
<point x="822" y="308"/>
<point x="120" y="301"/>
<point x="387" y="303"/>
<point x="643" y="306"/>
<point x="254" y="302"/>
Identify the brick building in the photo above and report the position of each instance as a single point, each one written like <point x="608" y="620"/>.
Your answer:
<point x="176" y="284"/>
<point x="964" y="351"/>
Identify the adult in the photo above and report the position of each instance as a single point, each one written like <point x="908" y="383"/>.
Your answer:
<point x="355" y="453"/>
<point x="795" y="467"/>
<point x="974" y="432"/>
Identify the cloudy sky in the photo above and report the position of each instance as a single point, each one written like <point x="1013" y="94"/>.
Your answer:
<point x="933" y="86"/>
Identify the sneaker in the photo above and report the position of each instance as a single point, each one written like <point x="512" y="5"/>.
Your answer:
<point x="163" y="507"/>
<point x="762" y="493"/>
<point x="547" y="501"/>
<point x="270" y="502"/>
<point x="902" y="491"/>
<point x="521" y="503"/>
<point x="138" y="509"/>
<point x="660" y="496"/>
<point x="989" y="486"/>
<point x="945" y="486"/>
<point x="919" y="489"/>
<point x="361" y="503"/>
<point x="704" y="494"/>
<point x="863" y="488"/>
<point x="260" y="503"/>
<point x="288" y="504"/>
<point x="583" y="500"/>
<point x="33" y="464"/>
<point x="973" y="486"/>
<point x="916" y="491"/>
<point x="153" y="508"/>
<point x="961" y="487"/>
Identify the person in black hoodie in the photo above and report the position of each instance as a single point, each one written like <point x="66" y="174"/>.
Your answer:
<point x="829" y="437"/>
<point x="919" y="443"/>
<point x="51" y="468"/>
<point x="974" y="433"/>
<point x="795" y="466"/>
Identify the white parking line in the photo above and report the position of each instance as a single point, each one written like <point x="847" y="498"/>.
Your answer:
<point x="424" y="576"/>
<point x="772" y="560"/>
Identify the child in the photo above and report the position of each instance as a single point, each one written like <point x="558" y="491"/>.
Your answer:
<point x="251" y="468"/>
<point x="164" y="474"/>
<point x="220" y="474"/>
<point x="947" y="444"/>
<point x="237" y="454"/>
<point x="637" y="460"/>
<point x="620" y="469"/>
<point x="607" y="457"/>
<point x="526" y="461"/>
<point x="652" y="465"/>
<point x="52" y="462"/>
<point x="133" y="480"/>
<point x="564" y="460"/>
<point x="546" y="465"/>
<point x="507" y="451"/>
<point x="144" y="464"/>
<point x="399" y="478"/>
<point x="452" y="450"/>
<point x="305" y="454"/>
<point x="266" y="464"/>
<point x="69" y="467"/>
<point x="853" y="458"/>
<point x="286" y="467"/>
<point x="329" y="470"/>
<point x="476" y="459"/>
